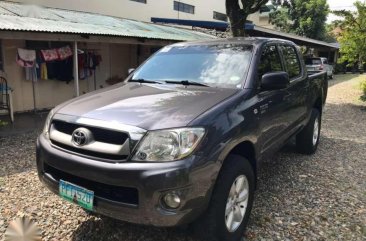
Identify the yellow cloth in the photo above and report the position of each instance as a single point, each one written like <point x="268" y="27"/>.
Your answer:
<point x="44" y="73"/>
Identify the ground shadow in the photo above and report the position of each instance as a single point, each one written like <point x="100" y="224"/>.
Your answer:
<point x="23" y="123"/>
<point x="104" y="228"/>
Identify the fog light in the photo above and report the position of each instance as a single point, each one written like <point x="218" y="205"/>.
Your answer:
<point x="172" y="200"/>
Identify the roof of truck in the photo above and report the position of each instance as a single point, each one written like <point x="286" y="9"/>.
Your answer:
<point x="237" y="40"/>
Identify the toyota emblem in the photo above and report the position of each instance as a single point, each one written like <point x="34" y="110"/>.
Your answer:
<point x="81" y="137"/>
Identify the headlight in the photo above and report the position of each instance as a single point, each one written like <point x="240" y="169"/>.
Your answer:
<point x="46" y="127"/>
<point x="168" y="145"/>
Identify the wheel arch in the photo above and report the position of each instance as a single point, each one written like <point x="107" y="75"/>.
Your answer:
<point x="318" y="104"/>
<point x="246" y="149"/>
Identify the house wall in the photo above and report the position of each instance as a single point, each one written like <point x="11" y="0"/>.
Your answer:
<point x="153" y="8"/>
<point x="116" y="60"/>
<point x="138" y="11"/>
<point x="261" y="19"/>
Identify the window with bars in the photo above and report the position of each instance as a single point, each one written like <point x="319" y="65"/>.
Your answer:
<point x="219" y="16"/>
<point x="139" y="1"/>
<point x="183" y="7"/>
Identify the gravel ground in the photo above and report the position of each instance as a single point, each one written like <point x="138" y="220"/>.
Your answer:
<point x="320" y="197"/>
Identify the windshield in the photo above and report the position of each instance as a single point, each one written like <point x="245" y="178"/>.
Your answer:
<point x="213" y="65"/>
<point x="313" y="61"/>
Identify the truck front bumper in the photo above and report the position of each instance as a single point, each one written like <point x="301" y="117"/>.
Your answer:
<point x="131" y="191"/>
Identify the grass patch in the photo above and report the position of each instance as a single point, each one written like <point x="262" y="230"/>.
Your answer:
<point x="363" y="88"/>
<point x="2" y="181"/>
<point x="3" y="123"/>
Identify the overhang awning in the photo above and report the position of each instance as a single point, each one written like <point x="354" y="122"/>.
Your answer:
<point x="292" y="37"/>
<point x="253" y="30"/>
<point x="21" y="17"/>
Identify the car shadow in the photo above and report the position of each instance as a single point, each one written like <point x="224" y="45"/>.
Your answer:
<point x="105" y="228"/>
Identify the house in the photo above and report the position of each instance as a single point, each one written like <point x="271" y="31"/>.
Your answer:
<point x="144" y="10"/>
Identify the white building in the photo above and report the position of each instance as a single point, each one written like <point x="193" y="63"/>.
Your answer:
<point x="144" y="10"/>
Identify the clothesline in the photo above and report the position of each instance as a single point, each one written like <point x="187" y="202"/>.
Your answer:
<point x="56" y="63"/>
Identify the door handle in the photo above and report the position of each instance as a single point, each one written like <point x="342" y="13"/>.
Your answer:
<point x="286" y="97"/>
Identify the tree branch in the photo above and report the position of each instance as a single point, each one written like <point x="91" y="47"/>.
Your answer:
<point x="255" y="7"/>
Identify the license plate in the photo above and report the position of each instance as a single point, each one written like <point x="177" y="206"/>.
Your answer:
<point x="78" y="195"/>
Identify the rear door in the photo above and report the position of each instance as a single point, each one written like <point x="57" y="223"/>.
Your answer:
<point x="297" y="90"/>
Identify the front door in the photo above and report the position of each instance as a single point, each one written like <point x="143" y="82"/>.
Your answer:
<point x="272" y="107"/>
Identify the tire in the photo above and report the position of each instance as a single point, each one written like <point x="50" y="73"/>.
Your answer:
<point x="307" y="140"/>
<point x="212" y="225"/>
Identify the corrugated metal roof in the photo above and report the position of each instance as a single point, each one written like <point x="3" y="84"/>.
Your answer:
<point x="20" y="17"/>
<point x="294" y="37"/>
<point x="248" y="26"/>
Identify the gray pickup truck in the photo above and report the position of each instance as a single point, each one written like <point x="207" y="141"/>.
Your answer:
<point x="181" y="140"/>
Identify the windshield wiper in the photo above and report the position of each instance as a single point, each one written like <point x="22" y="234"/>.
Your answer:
<point x="185" y="82"/>
<point x="146" y="81"/>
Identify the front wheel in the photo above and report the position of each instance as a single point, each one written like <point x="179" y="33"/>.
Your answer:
<point x="231" y="202"/>
<point x="308" y="139"/>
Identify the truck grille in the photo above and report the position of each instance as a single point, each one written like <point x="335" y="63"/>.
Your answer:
<point x="102" y="135"/>
<point x="126" y="195"/>
<point x="99" y="155"/>
<point x="104" y="144"/>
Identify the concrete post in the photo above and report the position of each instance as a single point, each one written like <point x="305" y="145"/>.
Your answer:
<point x="76" y="69"/>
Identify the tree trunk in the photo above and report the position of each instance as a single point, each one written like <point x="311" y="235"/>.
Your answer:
<point x="237" y="18"/>
<point x="237" y="25"/>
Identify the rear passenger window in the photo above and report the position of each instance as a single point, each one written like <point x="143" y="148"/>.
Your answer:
<point x="292" y="61"/>
<point x="270" y="61"/>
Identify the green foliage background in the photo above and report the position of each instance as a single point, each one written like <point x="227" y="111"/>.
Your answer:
<point x="353" y="35"/>
<point x="304" y="18"/>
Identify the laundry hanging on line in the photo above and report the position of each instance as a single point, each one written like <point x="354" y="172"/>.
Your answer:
<point x="64" y="52"/>
<point x="49" y="54"/>
<point x="26" y="57"/>
<point x="87" y="63"/>
<point x="56" y="63"/>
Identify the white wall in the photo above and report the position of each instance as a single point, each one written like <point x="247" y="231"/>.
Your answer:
<point x="138" y="11"/>
<point x="143" y="12"/>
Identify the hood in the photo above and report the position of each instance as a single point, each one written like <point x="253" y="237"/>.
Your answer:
<point x="148" y="106"/>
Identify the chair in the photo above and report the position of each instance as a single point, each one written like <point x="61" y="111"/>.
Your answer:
<point x="4" y="96"/>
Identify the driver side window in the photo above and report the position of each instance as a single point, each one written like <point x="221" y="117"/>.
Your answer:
<point x="270" y="61"/>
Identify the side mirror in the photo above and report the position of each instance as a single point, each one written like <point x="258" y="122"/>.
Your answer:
<point x="275" y="81"/>
<point x="131" y="70"/>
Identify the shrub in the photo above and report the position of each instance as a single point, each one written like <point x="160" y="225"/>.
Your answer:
<point x="3" y="123"/>
<point x="363" y="88"/>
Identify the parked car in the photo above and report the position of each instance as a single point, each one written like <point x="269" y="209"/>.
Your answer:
<point x="319" y="64"/>
<point x="181" y="140"/>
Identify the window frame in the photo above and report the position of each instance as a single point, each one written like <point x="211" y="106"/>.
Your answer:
<point x="181" y="6"/>
<point x="215" y="13"/>
<point x="298" y="77"/>
<point x="261" y="52"/>
<point x="140" y="1"/>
